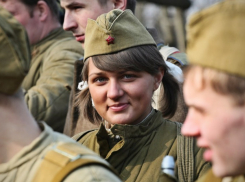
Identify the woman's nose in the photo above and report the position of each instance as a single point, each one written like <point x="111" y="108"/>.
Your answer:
<point x="114" y="90"/>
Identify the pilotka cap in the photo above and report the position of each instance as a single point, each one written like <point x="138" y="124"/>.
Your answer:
<point x="216" y="37"/>
<point x="15" y="53"/>
<point x="114" y="32"/>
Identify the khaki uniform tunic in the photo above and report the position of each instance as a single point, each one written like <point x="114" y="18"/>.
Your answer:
<point x="23" y="166"/>
<point x="50" y="77"/>
<point x="136" y="151"/>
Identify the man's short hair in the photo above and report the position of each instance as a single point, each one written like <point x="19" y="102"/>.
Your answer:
<point x="130" y="4"/>
<point x="52" y="4"/>
<point x="222" y="83"/>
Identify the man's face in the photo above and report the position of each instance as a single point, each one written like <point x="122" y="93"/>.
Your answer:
<point x="22" y="13"/>
<point x="77" y="13"/>
<point x="217" y="123"/>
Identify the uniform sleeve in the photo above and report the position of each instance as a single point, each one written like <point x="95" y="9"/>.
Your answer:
<point x="48" y="99"/>
<point x="91" y="174"/>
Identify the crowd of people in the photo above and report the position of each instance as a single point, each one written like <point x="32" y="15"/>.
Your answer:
<point x="104" y="99"/>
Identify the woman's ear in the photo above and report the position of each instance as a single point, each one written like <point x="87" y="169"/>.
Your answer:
<point x="158" y="78"/>
<point x="120" y="4"/>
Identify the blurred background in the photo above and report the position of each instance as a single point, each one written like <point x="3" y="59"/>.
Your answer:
<point x="169" y="17"/>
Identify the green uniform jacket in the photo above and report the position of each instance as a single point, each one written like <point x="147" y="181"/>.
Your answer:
<point x="47" y="85"/>
<point x="136" y="151"/>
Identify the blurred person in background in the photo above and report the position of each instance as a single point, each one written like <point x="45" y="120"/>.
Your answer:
<point x="54" y="52"/>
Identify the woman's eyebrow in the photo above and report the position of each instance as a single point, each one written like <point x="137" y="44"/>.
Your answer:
<point x="96" y="73"/>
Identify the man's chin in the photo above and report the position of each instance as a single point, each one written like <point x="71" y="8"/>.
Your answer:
<point x="207" y="155"/>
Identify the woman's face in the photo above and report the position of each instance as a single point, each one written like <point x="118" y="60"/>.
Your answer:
<point x="122" y="97"/>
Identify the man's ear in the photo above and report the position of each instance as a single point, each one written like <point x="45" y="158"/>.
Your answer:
<point x="120" y="4"/>
<point x="158" y="78"/>
<point x="42" y="10"/>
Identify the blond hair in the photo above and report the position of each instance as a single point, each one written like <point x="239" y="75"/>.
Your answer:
<point x="221" y="82"/>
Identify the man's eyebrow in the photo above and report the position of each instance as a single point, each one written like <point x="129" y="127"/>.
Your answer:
<point x="74" y="4"/>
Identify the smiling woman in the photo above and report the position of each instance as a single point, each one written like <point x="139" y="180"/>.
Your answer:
<point x="139" y="67"/>
<point x="122" y="75"/>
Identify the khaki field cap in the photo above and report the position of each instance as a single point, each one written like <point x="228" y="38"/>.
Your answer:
<point x="216" y="37"/>
<point x="14" y="53"/>
<point x="114" y="32"/>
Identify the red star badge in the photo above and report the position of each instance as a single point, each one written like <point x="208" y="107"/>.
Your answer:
<point x="110" y="40"/>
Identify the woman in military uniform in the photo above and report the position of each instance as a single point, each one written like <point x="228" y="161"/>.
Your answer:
<point x="119" y="78"/>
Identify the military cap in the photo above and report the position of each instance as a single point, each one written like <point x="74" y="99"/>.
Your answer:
<point x="113" y="32"/>
<point x="15" y="53"/>
<point x="216" y="37"/>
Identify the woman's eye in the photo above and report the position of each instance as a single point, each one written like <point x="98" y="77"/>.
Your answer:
<point x="100" y="79"/>
<point x="128" y="76"/>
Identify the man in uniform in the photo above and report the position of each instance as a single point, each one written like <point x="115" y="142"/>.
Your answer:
<point x="54" y="52"/>
<point x="32" y="151"/>
<point x="76" y="14"/>
<point x="214" y="87"/>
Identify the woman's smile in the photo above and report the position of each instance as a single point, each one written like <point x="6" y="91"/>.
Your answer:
<point x="118" y="107"/>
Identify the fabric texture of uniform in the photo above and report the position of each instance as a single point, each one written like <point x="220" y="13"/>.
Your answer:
<point x="26" y="164"/>
<point x="15" y="53"/>
<point x="210" y="33"/>
<point x="136" y="151"/>
<point x="50" y="78"/>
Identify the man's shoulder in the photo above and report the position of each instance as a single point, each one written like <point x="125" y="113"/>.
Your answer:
<point x="62" y="158"/>
<point x="59" y="40"/>
<point x="62" y="155"/>
<point x="65" y="40"/>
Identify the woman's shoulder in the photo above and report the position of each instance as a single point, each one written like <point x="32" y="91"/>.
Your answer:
<point x="80" y="137"/>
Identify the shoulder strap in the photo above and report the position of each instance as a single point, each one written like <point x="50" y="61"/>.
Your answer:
<point x="63" y="159"/>
<point x="66" y="170"/>
<point x="185" y="155"/>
